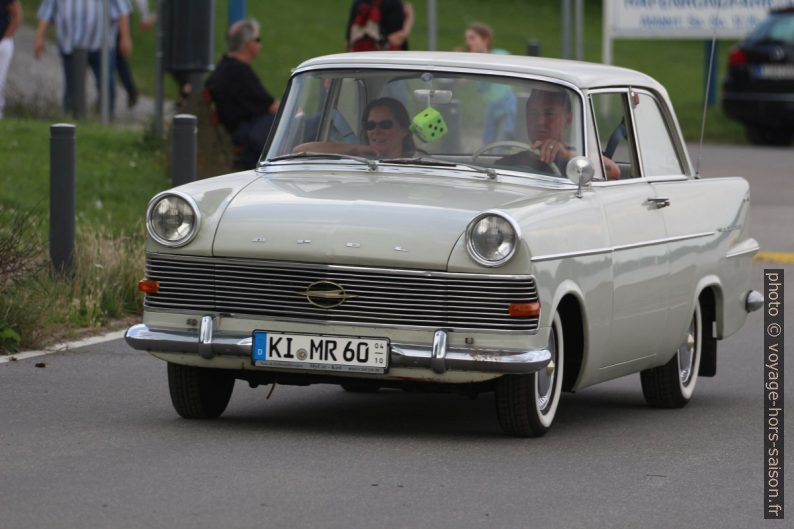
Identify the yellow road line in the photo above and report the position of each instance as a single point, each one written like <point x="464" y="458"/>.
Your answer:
<point x="775" y="257"/>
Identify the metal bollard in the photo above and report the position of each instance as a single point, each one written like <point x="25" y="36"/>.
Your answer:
<point x="183" y="149"/>
<point x="533" y="48"/>
<point x="79" y="68"/>
<point x="62" y="196"/>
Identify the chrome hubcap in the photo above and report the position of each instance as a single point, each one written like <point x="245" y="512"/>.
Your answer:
<point x="545" y="378"/>
<point x="686" y="355"/>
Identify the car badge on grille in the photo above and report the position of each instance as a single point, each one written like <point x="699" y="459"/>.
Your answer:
<point x="326" y="294"/>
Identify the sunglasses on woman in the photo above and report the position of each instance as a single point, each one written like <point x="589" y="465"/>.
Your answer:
<point x="385" y="124"/>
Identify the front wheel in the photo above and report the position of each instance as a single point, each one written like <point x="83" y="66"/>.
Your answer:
<point x="526" y="404"/>
<point x="198" y="392"/>
<point x="672" y="385"/>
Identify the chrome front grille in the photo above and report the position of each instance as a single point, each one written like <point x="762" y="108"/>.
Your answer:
<point x="382" y="296"/>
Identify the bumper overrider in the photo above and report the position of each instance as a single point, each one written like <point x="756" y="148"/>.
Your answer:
<point x="438" y="357"/>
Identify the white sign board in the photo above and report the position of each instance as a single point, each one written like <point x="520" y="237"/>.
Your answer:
<point x="686" y="19"/>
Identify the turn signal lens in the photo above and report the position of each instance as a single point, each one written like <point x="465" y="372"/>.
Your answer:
<point x="150" y="286"/>
<point x="522" y="310"/>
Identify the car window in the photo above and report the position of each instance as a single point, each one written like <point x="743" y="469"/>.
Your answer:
<point x="777" y="28"/>
<point x="483" y="120"/>
<point x="614" y="133"/>
<point x="657" y="150"/>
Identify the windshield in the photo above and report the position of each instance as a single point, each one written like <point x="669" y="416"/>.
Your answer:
<point x="423" y="117"/>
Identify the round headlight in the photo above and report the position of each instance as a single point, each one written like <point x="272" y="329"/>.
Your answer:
<point x="172" y="220"/>
<point x="491" y="239"/>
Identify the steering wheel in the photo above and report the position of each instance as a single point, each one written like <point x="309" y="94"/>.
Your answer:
<point x="518" y="144"/>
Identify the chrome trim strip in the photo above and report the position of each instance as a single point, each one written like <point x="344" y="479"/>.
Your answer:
<point x="338" y="323"/>
<point x="583" y="253"/>
<point x="610" y="366"/>
<point x="742" y="251"/>
<point x="664" y="241"/>
<point x="597" y="251"/>
<point x="642" y="180"/>
<point x="143" y="338"/>
<point x="261" y="263"/>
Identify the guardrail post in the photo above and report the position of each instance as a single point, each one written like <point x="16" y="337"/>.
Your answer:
<point x="183" y="149"/>
<point x="62" y="196"/>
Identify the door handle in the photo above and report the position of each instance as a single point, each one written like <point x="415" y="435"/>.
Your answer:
<point x="658" y="202"/>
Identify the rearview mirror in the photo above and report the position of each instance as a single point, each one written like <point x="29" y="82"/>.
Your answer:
<point x="431" y="96"/>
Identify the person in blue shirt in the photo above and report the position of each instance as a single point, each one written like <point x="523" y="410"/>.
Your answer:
<point x="78" y="25"/>
<point x="500" y="102"/>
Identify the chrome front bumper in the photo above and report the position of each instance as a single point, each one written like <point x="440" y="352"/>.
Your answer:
<point x="439" y="357"/>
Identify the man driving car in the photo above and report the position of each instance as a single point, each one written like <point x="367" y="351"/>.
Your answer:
<point x="548" y="117"/>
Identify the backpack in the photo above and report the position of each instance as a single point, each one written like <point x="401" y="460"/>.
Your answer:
<point x="365" y="33"/>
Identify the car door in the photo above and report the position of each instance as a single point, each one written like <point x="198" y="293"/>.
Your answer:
<point x="640" y="259"/>
<point x="690" y="207"/>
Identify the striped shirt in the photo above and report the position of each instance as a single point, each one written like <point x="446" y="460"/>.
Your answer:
<point x="78" y="23"/>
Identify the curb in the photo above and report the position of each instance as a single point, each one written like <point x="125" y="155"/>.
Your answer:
<point x="775" y="257"/>
<point x="64" y="346"/>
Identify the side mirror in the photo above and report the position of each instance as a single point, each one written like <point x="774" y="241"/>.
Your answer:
<point x="580" y="171"/>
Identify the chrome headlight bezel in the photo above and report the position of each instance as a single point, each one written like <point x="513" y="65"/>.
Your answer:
<point x="479" y="259"/>
<point x="193" y="230"/>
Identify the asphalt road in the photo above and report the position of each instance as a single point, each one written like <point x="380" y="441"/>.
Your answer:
<point x="91" y="440"/>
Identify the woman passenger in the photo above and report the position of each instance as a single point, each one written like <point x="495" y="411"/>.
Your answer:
<point x="384" y="133"/>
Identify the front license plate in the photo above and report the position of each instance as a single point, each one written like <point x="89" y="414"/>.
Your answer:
<point x="325" y="353"/>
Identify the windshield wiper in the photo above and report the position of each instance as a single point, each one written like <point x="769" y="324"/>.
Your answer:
<point x="435" y="162"/>
<point x="419" y="160"/>
<point x="371" y="164"/>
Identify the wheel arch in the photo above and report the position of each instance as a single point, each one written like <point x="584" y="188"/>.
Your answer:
<point x="710" y="300"/>
<point x="709" y="290"/>
<point x="569" y="302"/>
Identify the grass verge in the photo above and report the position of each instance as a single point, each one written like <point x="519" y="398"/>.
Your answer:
<point x="117" y="173"/>
<point x="43" y="307"/>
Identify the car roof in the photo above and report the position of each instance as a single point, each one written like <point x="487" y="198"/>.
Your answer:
<point x="581" y="74"/>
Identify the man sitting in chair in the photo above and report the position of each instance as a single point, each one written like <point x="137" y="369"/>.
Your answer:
<point x="245" y="107"/>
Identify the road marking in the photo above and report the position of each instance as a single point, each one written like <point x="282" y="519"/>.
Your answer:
<point x="64" y="346"/>
<point x="775" y="257"/>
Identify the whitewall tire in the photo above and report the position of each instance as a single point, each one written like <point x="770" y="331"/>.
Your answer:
<point x="527" y="404"/>
<point x="672" y="385"/>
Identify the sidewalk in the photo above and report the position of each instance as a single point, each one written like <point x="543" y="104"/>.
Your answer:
<point x="39" y="83"/>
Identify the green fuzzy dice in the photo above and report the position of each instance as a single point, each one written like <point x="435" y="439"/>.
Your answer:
<point x="429" y="125"/>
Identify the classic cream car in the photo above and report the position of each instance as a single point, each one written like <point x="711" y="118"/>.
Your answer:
<point x="465" y="222"/>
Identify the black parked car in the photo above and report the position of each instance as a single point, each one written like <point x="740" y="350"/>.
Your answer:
<point x="759" y="88"/>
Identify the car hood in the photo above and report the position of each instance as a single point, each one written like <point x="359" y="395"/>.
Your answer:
<point x="373" y="219"/>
